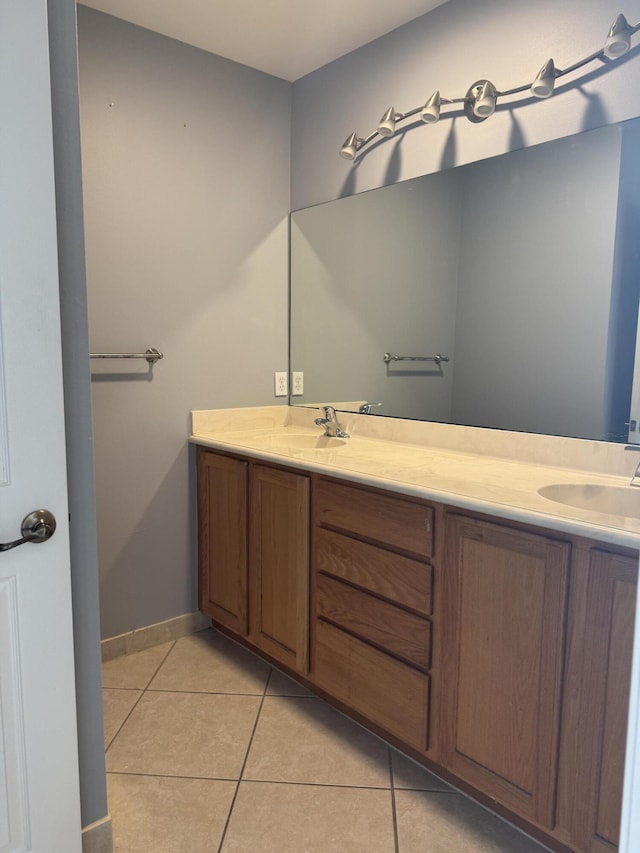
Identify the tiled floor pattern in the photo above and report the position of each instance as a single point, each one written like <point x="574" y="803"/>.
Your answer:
<point x="210" y="750"/>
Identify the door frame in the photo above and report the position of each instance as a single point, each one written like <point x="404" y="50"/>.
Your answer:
<point x="76" y="377"/>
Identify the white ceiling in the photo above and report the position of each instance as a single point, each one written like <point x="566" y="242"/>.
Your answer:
<point x="286" y="38"/>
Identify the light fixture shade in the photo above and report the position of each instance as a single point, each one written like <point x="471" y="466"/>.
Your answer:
<point x="350" y="147"/>
<point x="387" y="126"/>
<point x="542" y="86"/>
<point x="485" y="102"/>
<point x="619" y="39"/>
<point x="430" y="113"/>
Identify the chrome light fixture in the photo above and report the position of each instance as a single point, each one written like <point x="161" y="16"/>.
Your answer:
<point x="387" y="126"/>
<point x="472" y="96"/>
<point x="485" y="101"/>
<point x="351" y="146"/>
<point x="430" y="113"/>
<point x="619" y="39"/>
<point x="480" y="99"/>
<point x="542" y="86"/>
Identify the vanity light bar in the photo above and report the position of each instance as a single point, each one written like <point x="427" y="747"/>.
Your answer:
<point x="480" y="99"/>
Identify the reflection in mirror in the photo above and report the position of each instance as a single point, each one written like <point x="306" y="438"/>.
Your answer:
<point x="522" y="270"/>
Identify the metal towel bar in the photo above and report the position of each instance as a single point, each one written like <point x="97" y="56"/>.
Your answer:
<point x="151" y="355"/>
<point x="437" y="358"/>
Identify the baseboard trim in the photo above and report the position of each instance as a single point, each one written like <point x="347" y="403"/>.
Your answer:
<point x="153" y="635"/>
<point x="98" y="837"/>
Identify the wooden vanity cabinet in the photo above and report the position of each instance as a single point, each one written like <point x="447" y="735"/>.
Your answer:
<point x="253" y="553"/>
<point x="222" y="539"/>
<point x="279" y="565"/>
<point x="495" y="651"/>
<point x="372" y="593"/>
<point x="536" y="644"/>
<point x="596" y="699"/>
<point x="504" y="593"/>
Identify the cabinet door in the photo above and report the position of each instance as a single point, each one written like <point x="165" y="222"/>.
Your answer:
<point x="279" y="565"/>
<point x="504" y="594"/>
<point x="597" y="700"/>
<point x="222" y="539"/>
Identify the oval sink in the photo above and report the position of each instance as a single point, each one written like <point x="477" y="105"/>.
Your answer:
<point x="612" y="500"/>
<point x="302" y="441"/>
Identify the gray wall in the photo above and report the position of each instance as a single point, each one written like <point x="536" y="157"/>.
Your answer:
<point x="372" y="274"/>
<point x="449" y="49"/>
<point x="77" y="405"/>
<point x="186" y="179"/>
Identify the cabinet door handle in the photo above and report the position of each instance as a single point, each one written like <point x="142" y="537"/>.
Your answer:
<point x="38" y="526"/>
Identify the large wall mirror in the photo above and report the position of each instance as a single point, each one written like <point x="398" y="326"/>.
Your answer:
<point x="522" y="270"/>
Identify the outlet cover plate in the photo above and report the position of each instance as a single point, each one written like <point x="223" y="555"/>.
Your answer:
<point x="280" y="383"/>
<point x="297" y="383"/>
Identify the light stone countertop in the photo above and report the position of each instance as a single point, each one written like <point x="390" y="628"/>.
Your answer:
<point x="489" y="471"/>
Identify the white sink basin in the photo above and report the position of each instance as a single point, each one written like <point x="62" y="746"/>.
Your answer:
<point x="612" y="500"/>
<point x="301" y="441"/>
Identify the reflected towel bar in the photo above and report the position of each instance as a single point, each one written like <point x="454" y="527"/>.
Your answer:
<point x="151" y="355"/>
<point x="437" y="358"/>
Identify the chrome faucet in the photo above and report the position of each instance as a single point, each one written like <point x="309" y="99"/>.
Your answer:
<point x="330" y="423"/>
<point x="365" y="408"/>
<point x="635" y="480"/>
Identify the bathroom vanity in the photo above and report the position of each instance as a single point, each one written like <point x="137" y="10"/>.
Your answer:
<point x="436" y="595"/>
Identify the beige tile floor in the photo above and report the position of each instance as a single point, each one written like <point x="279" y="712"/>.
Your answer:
<point x="210" y="750"/>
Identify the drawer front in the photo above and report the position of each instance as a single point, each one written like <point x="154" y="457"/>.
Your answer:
<point x="396" y="578"/>
<point x="383" y="690"/>
<point x="386" y="519"/>
<point x="403" y="634"/>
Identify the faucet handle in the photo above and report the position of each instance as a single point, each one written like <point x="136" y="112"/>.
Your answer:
<point x="365" y="408"/>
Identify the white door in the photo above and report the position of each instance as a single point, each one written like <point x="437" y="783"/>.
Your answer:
<point x="39" y="801"/>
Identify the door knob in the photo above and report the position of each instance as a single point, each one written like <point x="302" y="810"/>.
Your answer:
<point x="38" y="526"/>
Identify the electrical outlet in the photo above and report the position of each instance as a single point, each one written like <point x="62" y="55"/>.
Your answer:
<point x="297" y="383"/>
<point x="281" y="389"/>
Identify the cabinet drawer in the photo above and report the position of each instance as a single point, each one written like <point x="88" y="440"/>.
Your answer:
<point x="401" y="633"/>
<point x="384" y="690"/>
<point x="392" y="576"/>
<point x="392" y="521"/>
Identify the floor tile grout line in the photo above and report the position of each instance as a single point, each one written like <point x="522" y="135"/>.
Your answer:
<point x="394" y="814"/>
<point x="132" y="709"/>
<point x="244" y="763"/>
<point x="123" y="689"/>
<point x="170" y="776"/>
<point x="158" y="668"/>
<point x="206" y="692"/>
<point x="301" y="784"/>
<point x="202" y="692"/>
<point x="137" y="702"/>
<point x="293" y="783"/>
